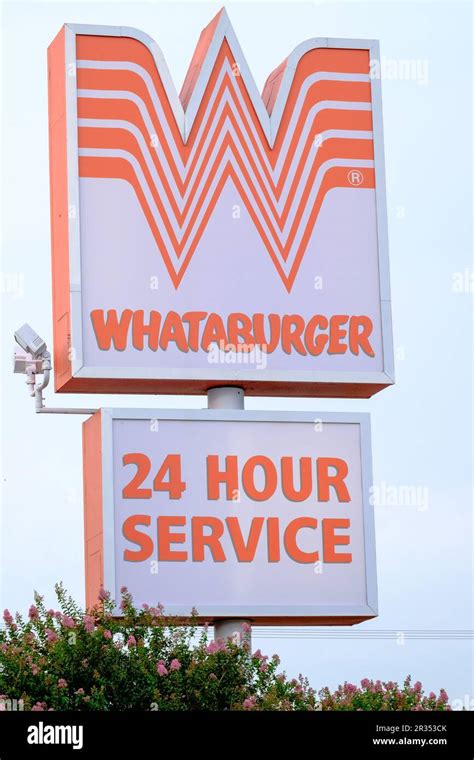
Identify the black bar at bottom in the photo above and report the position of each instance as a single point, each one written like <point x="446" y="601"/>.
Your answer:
<point x="307" y="735"/>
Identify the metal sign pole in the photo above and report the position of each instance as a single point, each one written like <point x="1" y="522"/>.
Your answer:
<point x="225" y="397"/>
<point x="228" y="397"/>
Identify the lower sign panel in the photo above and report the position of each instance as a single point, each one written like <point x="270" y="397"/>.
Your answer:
<point x="258" y="515"/>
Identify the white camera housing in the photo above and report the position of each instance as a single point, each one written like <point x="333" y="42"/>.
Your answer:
<point x="22" y="361"/>
<point x="30" y="341"/>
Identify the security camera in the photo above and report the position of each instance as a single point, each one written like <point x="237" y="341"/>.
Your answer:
<point x="22" y="362"/>
<point x="30" y="341"/>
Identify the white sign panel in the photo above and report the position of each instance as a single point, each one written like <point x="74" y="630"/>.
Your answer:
<point x="220" y="236"/>
<point x="240" y="514"/>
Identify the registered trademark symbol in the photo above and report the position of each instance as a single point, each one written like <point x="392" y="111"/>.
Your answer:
<point x="355" y="177"/>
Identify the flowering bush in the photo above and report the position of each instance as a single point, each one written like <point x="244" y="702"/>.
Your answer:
<point x="375" y="695"/>
<point x="70" y="660"/>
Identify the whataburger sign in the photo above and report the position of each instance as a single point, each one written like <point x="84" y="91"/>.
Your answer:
<point x="267" y="518"/>
<point x="218" y="236"/>
<point x="222" y="238"/>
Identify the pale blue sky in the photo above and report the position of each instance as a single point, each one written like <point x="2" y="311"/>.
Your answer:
<point x="421" y="428"/>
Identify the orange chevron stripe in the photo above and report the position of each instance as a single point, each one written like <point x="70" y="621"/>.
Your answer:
<point x="123" y="140"/>
<point x="246" y="144"/>
<point x="99" y="107"/>
<point x="119" y="168"/>
<point x="128" y="50"/>
<point x="101" y="137"/>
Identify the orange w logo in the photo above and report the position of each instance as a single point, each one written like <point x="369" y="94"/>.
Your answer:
<point x="310" y="132"/>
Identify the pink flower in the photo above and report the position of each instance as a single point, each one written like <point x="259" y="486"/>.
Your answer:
<point x="161" y="669"/>
<point x="51" y="613"/>
<point x="103" y="594"/>
<point x="88" y="623"/>
<point x="249" y="703"/>
<point x="417" y="686"/>
<point x="68" y="622"/>
<point x="38" y="707"/>
<point x="7" y="617"/>
<point x="51" y="636"/>
<point x="350" y="688"/>
<point x="432" y="695"/>
<point x="123" y="590"/>
<point x="263" y="667"/>
<point x="33" y="612"/>
<point x="443" y="697"/>
<point x="281" y="677"/>
<point x="246" y="628"/>
<point x="80" y="692"/>
<point x="131" y="642"/>
<point x="215" y="646"/>
<point x="35" y="670"/>
<point x="175" y="665"/>
<point x="62" y="683"/>
<point x="258" y="655"/>
<point x="107" y="634"/>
